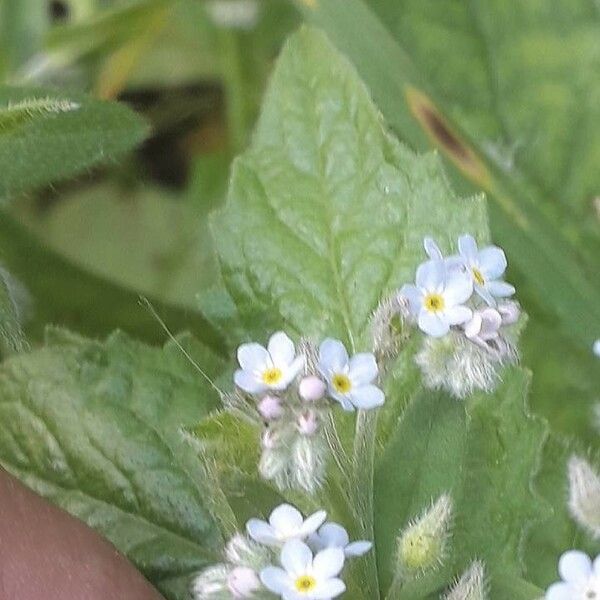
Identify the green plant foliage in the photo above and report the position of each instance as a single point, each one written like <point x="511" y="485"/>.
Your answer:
<point x="12" y="338"/>
<point x="326" y="213"/>
<point x="83" y="301"/>
<point x="47" y="135"/>
<point x="95" y="428"/>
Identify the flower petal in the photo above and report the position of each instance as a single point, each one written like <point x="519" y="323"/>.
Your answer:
<point x="286" y="519"/>
<point x="492" y="262"/>
<point x="282" y="349"/>
<point x="367" y="397"/>
<point x="334" y="535"/>
<point x="276" y="580"/>
<point x="574" y="566"/>
<point x="261" y="532"/>
<point x="432" y="324"/>
<point x="357" y="548"/>
<point x="431" y="275"/>
<point x="459" y="288"/>
<point x="332" y="356"/>
<point x="484" y="293"/>
<point x="473" y="327"/>
<point x="467" y="246"/>
<point x="253" y="357"/>
<point x="500" y="289"/>
<point x="345" y="403"/>
<point x="313" y="523"/>
<point x="296" y="557"/>
<point x="432" y="249"/>
<point x="596" y="566"/>
<point x="328" y="589"/>
<point x="362" y="368"/>
<point x="248" y="382"/>
<point x="559" y="591"/>
<point x="328" y="563"/>
<point x="457" y="315"/>
<point x="414" y="296"/>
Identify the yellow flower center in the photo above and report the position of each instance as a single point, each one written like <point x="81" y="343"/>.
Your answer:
<point x="341" y="383"/>
<point x="272" y="376"/>
<point x="478" y="277"/>
<point x="434" y="302"/>
<point x="305" y="583"/>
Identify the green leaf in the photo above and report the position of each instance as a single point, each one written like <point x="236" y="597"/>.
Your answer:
<point x="509" y="97"/>
<point x="83" y="301"/>
<point x="95" y="428"/>
<point x="12" y="338"/>
<point x="484" y="454"/>
<point x="49" y="135"/>
<point x="326" y="211"/>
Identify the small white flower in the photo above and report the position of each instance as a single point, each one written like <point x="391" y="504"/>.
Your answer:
<point x="486" y="267"/>
<point x="349" y="380"/>
<point x="303" y="576"/>
<point x="580" y="578"/>
<point x="436" y="301"/>
<point x="596" y="347"/>
<point x="285" y="523"/>
<point x="271" y="368"/>
<point x="333" y="535"/>
<point x="243" y="582"/>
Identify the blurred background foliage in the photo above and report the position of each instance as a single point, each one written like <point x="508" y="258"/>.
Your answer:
<point x="518" y="86"/>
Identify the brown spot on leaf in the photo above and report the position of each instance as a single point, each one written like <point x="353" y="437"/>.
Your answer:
<point x="445" y="136"/>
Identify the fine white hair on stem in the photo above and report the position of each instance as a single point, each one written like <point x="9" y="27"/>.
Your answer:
<point x="148" y="305"/>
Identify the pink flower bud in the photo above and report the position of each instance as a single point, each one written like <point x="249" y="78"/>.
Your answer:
<point x="270" y="408"/>
<point x="242" y="582"/>
<point x="311" y="388"/>
<point x="510" y="312"/>
<point x="308" y="423"/>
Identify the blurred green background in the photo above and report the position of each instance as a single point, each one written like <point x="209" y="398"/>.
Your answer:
<point x="518" y="85"/>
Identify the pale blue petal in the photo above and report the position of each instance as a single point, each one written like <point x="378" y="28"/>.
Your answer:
<point x="334" y="535"/>
<point x="296" y="557"/>
<point x="560" y="591"/>
<point x="253" y="357"/>
<point x="485" y="295"/>
<point x="328" y="563"/>
<point x="467" y="246"/>
<point x="500" y="289"/>
<point x="248" y="382"/>
<point x="432" y="249"/>
<point x="358" y="548"/>
<point x="281" y="348"/>
<point x="367" y="397"/>
<point x="286" y="518"/>
<point x="313" y="523"/>
<point x="362" y="368"/>
<point x="431" y="275"/>
<point x="492" y="262"/>
<point x="261" y="532"/>
<point x="276" y="580"/>
<point x="432" y="324"/>
<point x="329" y="589"/>
<point x="332" y="356"/>
<point x="574" y="566"/>
<point x="414" y="296"/>
<point x="457" y="315"/>
<point x="458" y="289"/>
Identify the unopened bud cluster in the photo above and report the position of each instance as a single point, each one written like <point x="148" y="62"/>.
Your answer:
<point x="291" y="393"/>
<point x="281" y="556"/>
<point x="461" y="304"/>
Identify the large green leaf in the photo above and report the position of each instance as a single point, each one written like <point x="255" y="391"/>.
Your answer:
<point x="326" y="211"/>
<point x="48" y="135"/>
<point x="95" y="428"/>
<point x="509" y="96"/>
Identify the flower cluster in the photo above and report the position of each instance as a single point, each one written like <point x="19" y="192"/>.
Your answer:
<point x="309" y="556"/>
<point x="291" y="393"/>
<point x="580" y="578"/>
<point x="460" y="302"/>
